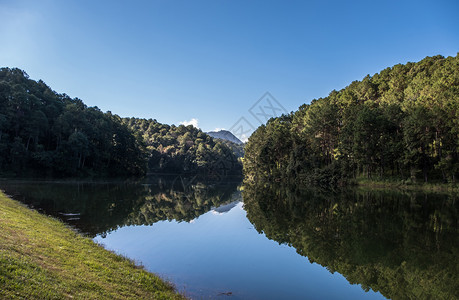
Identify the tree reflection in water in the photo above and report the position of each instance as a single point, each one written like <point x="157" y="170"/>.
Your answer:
<point x="100" y="207"/>
<point x="402" y="244"/>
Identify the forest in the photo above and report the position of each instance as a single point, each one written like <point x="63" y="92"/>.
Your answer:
<point x="401" y="123"/>
<point x="44" y="133"/>
<point x="184" y="149"/>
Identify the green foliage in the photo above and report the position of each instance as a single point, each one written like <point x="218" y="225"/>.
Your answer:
<point x="41" y="258"/>
<point x="403" y="245"/>
<point x="401" y="122"/>
<point x="45" y="133"/>
<point x="237" y="149"/>
<point x="183" y="149"/>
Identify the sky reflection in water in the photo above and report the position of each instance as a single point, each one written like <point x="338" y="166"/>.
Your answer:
<point x="222" y="252"/>
<point x="403" y="244"/>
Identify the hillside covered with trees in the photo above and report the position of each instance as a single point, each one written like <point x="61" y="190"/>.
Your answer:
<point x="401" y="123"/>
<point x="183" y="149"/>
<point x="229" y="140"/>
<point x="43" y="133"/>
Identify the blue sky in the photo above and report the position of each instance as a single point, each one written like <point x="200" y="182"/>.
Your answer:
<point x="212" y="60"/>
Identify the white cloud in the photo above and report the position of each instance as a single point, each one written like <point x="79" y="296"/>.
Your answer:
<point x="218" y="129"/>
<point x="193" y="122"/>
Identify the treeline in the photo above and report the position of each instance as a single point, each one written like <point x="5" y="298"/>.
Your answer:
<point x="237" y="149"/>
<point x="402" y="123"/>
<point x="43" y="133"/>
<point x="184" y="149"/>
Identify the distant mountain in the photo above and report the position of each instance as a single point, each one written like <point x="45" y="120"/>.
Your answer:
<point x="229" y="140"/>
<point x="225" y="207"/>
<point x="43" y="133"/>
<point x="225" y="135"/>
<point x="183" y="149"/>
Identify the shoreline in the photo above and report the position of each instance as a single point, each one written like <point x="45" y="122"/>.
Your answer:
<point x="43" y="258"/>
<point x="399" y="185"/>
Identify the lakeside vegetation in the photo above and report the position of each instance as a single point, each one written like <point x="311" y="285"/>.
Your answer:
<point x="404" y="185"/>
<point x="396" y="129"/>
<point x="41" y="258"/>
<point x="43" y="133"/>
<point x="183" y="149"/>
<point x="402" y="122"/>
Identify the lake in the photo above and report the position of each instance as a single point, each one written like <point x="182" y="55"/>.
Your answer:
<point x="231" y="240"/>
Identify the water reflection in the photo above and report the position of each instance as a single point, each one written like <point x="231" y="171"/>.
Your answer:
<point x="404" y="245"/>
<point x="100" y="207"/>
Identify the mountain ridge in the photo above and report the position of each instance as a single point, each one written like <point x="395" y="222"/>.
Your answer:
<point x="225" y="135"/>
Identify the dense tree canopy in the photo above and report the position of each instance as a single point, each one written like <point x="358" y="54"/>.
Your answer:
<point x="402" y="122"/>
<point x="184" y="149"/>
<point x="46" y="133"/>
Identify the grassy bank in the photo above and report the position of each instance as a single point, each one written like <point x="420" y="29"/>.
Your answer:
<point x="407" y="185"/>
<point x="41" y="258"/>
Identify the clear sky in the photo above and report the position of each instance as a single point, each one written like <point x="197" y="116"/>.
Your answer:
<point x="175" y="61"/>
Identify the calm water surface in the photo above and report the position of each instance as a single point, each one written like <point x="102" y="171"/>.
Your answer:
<point x="224" y="240"/>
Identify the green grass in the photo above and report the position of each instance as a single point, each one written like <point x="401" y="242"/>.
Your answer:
<point x="41" y="258"/>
